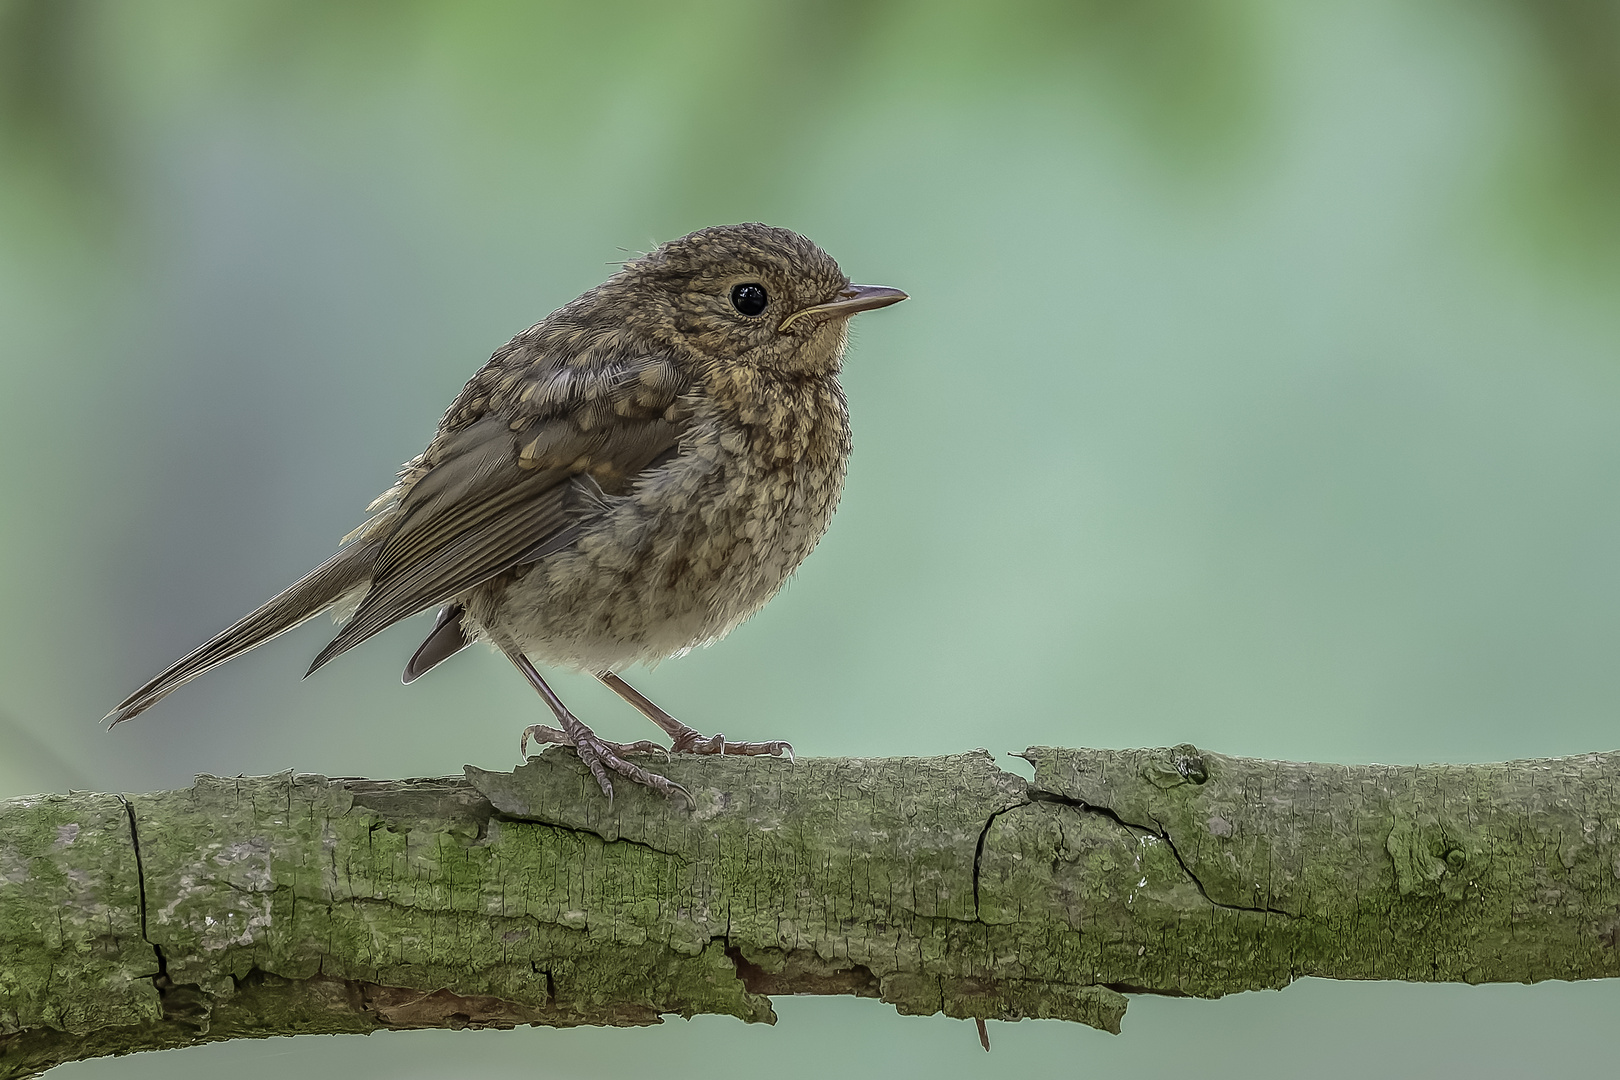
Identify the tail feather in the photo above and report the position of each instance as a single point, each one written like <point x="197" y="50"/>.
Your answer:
<point x="343" y="573"/>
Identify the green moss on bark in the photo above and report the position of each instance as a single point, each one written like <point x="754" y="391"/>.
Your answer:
<point x="71" y="952"/>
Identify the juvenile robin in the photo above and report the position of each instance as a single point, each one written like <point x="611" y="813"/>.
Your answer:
<point x="624" y="481"/>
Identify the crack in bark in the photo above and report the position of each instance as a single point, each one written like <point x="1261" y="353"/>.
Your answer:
<point x="1159" y="832"/>
<point x="140" y="887"/>
<point x="1038" y="795"/>
<point x="182" y="1003"/>
<point x="522" y="819"/>
<point x="551" y="987"/>
<point x="978" y="851"/>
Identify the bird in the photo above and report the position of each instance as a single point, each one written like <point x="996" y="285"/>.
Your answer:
<point x="626" y="480"/>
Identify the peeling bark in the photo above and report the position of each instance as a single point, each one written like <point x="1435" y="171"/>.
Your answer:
<point x="299" y="904"/>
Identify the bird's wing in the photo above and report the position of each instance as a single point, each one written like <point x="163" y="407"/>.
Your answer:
<point x="501" y="491"/>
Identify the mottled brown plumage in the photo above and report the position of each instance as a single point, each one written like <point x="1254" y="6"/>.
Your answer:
<point x="624" y="481"/>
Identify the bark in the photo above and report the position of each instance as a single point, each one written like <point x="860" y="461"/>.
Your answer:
<point x="296" y="904"/>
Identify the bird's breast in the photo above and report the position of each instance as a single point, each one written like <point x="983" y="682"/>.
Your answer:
<point x="697" y="544"/>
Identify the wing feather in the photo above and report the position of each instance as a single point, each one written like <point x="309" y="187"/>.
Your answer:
<point x="482" y="509"/>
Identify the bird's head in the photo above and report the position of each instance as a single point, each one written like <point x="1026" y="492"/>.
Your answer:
<point x="749" y="294"/>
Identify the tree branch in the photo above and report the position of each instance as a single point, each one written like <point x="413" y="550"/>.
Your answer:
<point x="293" y="903"/>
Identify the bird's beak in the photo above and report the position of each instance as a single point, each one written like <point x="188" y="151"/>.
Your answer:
<point x="853" y="299"/>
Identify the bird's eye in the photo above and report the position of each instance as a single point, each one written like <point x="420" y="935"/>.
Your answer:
<point x="749" y="298"/>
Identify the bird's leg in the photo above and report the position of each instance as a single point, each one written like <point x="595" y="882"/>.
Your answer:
<point x="598" y="755"/>
<point x="686" y="740"/>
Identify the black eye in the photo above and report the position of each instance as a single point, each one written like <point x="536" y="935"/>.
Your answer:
<point x="749" y="298"/>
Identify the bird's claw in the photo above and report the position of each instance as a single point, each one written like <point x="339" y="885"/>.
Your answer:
<point x="545" y="733"/>
<point x="691" y="742"/>
<point x="601" y="757"/>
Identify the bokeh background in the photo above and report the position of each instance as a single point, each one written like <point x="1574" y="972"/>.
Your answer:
<point x="1259" y="388"/>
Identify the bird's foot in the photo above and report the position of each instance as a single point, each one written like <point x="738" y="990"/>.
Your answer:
<point x="545" y="733"/>
<point x="601" y="756"/>
<point x="684" y="739"/>
<point x="687" y="741"/>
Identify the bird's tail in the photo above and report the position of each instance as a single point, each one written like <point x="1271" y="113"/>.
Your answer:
<point x="322" y="588"/>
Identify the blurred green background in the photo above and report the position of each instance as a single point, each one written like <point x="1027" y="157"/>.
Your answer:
<point x="1258" y="389"/>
